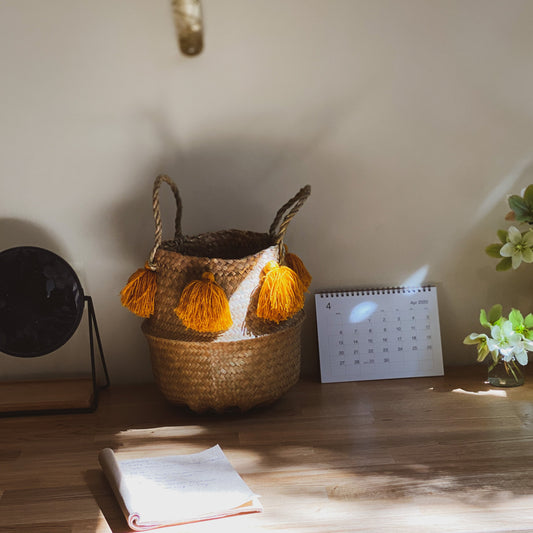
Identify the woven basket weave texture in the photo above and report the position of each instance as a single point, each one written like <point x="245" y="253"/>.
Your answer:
<point x="225" y="375"/>
<point x="252" y="363"/>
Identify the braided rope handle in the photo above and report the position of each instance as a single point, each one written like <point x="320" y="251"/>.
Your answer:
<point x="277" y="229"/>
<point x="284" y="215"/>
<point x="178" y="235"/>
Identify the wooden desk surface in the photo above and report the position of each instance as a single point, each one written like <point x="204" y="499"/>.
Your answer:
<point x="440" y="454"/>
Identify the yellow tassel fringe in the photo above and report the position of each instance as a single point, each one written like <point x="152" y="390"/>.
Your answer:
<point x="203" y="306"/>
<point x="281" y="294"/>
<point x="138" y="295"/>
<point x="296" y="264"/>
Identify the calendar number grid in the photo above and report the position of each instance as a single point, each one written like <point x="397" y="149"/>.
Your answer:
<point x="394" y="335"/>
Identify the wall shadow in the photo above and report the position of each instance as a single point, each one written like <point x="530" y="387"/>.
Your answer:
<point x="225" y="184"/>
<point x="17" y="232"/>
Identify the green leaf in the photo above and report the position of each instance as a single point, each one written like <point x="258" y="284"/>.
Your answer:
<point x="528" y="196"/>
<point x="502" y="235"/>
<point x="521" y="209"/>
<point x="493" y="250"/>
<point x="495" y="313"/>
<point x="516" y="202"/>
<point x="516" y="318"/>
<point x="483" y="319"/>
<point x="482" y="351"/>
<point x="528" y="321"/>
<point x="505" y="264"/>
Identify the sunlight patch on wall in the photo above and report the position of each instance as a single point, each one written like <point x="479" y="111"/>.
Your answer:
<point x="500" y="192"/>
<point x="417" y="278"/>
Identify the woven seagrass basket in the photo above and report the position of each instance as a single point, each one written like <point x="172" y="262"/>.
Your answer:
<point x="252" y="363"/>
<point x="223" y="375"/>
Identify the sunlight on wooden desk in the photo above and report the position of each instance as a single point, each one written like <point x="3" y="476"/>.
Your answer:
<point x="443" y="454"/>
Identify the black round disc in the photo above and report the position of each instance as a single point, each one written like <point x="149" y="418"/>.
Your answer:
<point x="41" y="301"/>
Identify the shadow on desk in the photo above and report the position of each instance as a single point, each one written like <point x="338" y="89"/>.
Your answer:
<point x="392" y="445"/>
<point x="106" y="501"/>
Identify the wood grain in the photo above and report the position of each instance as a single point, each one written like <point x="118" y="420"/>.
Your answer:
<point x="41" y="395"/>
<point x="443" y="454"/>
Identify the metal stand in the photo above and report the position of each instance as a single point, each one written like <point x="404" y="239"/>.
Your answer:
<point x="26" y="388"/>
<point x="93" y="325"/>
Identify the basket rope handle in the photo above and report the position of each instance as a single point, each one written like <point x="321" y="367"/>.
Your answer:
<point x="178" y="235"/>
<point x="284" y="215"/>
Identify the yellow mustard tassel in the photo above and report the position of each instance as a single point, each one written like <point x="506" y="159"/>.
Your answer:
<point x="296" y="264"/>
<point x="203" y="306"/>
<point x="139" y="293"/>
<point x="281" y="294"/>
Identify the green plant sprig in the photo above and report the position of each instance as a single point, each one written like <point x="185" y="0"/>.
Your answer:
<point x="515" y="247"/>
<point x="493" y="250"/>
<point x="522" y="206"/>
<point x="510" y="337"/>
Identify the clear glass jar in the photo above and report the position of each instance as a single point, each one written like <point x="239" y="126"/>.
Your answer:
<point x="505" y="374"/>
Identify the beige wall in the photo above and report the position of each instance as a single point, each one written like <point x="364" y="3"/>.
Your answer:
<point x="412" y="120"/>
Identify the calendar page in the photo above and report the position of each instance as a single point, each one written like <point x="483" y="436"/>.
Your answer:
<point x="378" y="334"/>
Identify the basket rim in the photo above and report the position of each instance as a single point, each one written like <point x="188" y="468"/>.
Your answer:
<point x="298" y="319"/>
<point x="261" y="242"/>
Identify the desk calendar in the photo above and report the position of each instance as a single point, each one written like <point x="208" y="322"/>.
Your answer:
<point x="378" y="334"/>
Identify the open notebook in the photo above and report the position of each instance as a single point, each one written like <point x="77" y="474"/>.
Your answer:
<point x="163" y="491"/>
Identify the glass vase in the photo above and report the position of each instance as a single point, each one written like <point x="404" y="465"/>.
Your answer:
<point x="505" y="374"/>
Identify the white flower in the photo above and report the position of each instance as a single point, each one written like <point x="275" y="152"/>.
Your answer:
<point x="520" y="354"/>
<point x="475" y="338"/>
<point x="505" y="340"/>
<point x="482" y="349"/>
<point x="520" y="351"/>
<point x="518" y="247"/>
